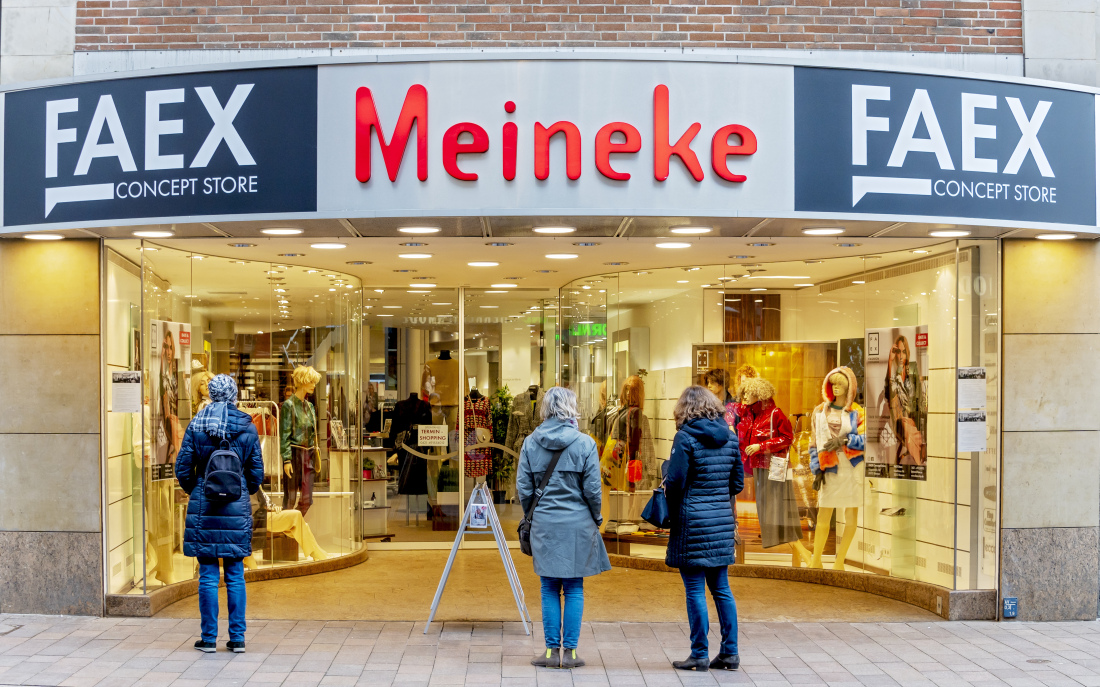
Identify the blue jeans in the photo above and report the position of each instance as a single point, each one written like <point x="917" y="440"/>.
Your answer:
<point x="565" y="634"/>
<point x="208" y="597"/>
<point x="696" y="580"/>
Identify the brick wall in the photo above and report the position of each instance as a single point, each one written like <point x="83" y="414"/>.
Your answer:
<point x="906" y="25"/>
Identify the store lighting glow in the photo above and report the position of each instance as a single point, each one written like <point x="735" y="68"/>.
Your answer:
<point x="190" y="295"/>
<point x="422" y="293"/>
<point x="673" y="244"/>
<point x="681" y="281"/>
<point x="419" y="230"/>
<point x="822" y="231"/>
<point x="441" y="304"/>
<point x="43" y="237"/>
<point x="489" y="307"/>
<point x="801" y="285"/>
<point x="921" y="252"/>
<point x="483" y="263"/>
<point x="391" y="307"/>
<point x="421" y="286"/>
<point x="561" y="256"/>
<point x="504" y="286"/>
<point x="382" y="314"/>
<point x="757" y="289"/>
<point x="554" y="230"/>
<point x="858" y="281"/>
<point x="1056" y="237"/>
<point x="415" y="256"/>
<point x="332" y="289"/>
<point x="949" y="233"/>
<point x="281" y="231"/>
<point x="328" y="246"/>
<point x="496" y="292"/>
<point x="151" y="234"/>
<point x="691" y="231"/>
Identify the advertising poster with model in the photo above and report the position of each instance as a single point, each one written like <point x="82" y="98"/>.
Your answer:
<point x="170" y="379"/>
<point x="896" y="374"/>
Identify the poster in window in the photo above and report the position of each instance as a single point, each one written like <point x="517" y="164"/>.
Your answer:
<point x="896" y="369"/>
<point x="170" y="382"/>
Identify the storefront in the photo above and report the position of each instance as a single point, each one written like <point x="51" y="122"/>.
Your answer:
<point x="372" y="248"/>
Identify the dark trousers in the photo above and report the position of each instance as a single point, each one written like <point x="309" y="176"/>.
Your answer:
<point x="298" y="488"/>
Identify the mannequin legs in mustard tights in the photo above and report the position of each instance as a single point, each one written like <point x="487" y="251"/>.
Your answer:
<point x="799" y="554"/>
<point x="821" y="536"/>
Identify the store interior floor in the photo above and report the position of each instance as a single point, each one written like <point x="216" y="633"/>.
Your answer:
<point x="399" y="585"/>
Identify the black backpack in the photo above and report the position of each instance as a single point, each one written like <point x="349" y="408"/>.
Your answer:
<point x="223" y="475"/>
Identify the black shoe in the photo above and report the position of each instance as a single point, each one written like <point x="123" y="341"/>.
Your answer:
<point x="569" y="659"/>
<point x="699" y="664"/>
<point x="726" y="662"/>
<point x="206" y="647"/>
<point x="548" y="659"/>
<point x="235" y="647"/>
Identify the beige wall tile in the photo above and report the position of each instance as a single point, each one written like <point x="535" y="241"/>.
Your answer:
<point x="1050" y="479"/>
<point x="1051" y="287"/>
<point x="49" y="287"/>
<point x="50" y="483"/>
<point x="61" y="380"/>
<point x="1051" y="382"/>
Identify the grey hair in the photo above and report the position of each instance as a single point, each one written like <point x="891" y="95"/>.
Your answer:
<point x="559" y="402"/>
<point x="697" y="401"/>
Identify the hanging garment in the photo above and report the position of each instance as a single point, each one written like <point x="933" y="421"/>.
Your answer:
<point x="524" y="418"/>
<point x="412" y="475"/>
<point x="478" y="461"/>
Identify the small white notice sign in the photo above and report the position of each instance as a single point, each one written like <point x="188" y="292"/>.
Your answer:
<point x="431" y="435"/>
<point x="971" y="431"/>
<point x="972" y="387"/>
<point x="479" y="516"/>
<point x="125" y="392"/>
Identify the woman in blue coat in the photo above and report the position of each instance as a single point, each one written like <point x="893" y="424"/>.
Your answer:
<point x="220" y="530"/>
<point x="703" y="473"/>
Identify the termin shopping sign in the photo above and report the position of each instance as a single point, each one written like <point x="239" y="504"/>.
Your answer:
<point x="465" y="136"/>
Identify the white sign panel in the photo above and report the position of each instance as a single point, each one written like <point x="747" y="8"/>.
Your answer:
<point x="972" y="387"/>
<point x="431" y="435"/>
<point x="125" y="392"/>
<point x="559" y="137"/>
<point x="971" y="432"/>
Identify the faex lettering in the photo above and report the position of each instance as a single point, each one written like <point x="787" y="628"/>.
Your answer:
<point x="727" y="141"/>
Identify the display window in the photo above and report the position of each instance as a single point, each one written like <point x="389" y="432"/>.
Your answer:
<point x="290" y="337"/>
<point x="839" y="378"/>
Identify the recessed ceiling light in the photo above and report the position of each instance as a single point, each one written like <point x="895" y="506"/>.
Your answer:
<point x="43" y="237"/>
<point x="419" y="230"/>
<point x="415" y="256"/>
<point x="197" y="257"/>
<point x="483" y="263"/>
<point x="760" y="244"/>
<point x="691" y="230"/>
<point x="281" y="231"/>
<point x="190" y="295"/>
<point x="921" y="251"/>
<point x="949" y="233"/>
<point x="673" y="244"/>
<point x="858" y="281"/>
<point x="391" y="307"/>
<point x="1056" y="237"/>
<point x="681" y="281"/>
<point x="243" y="245"/>
<point x="616" y="264"/>
<point x="586" y="244"/>
<point x="504" y="286"/>
<point x="413" y="244"/>
<point x="382" y="314"/>
<point x="489" y="307"/>
<point x="847" y="245"/>
<point x="757" y="289"/>
<point x="332" y="289"/>
<point x="422" y="286"/>
<point x="561" y="256"/>
<point x="554" y="230"/>
<point x="422" y="293"/>
<point x="501" y="291"/>
<point x="800" y="285"/>
<point x="379" y="290"/>
<point x="148" y="234"/>
<point x="441" y="304"/>
<point x="822" y="231"/>
<point x="328" y="246"/>
<point x="358" y="262"/>
<point x="154" y="248"/>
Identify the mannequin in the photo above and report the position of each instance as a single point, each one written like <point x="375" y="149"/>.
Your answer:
<point x="628" y="462"/>
<point x="200" y="396"/>
<point x="478" y="424"/>
<point x="717" y="382"/>
<point x="298" y="431"/>
<point x="764" y="431"/>
<point x="525" y="416"/>
<point x="838" y="435"/>
<point x="597" y="425"/>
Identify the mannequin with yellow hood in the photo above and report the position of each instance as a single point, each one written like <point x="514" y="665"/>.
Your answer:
<point x="838" y="435"/>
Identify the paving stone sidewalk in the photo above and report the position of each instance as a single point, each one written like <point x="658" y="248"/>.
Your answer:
<point x="41" y="650"/>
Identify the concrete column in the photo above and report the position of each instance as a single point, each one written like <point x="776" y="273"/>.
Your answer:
<point x="51" y="487"/>
<point x="1050" y="495"/>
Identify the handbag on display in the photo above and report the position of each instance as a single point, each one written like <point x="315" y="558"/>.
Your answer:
<point x="656" y="510"/>
<point x="524" y="529"/>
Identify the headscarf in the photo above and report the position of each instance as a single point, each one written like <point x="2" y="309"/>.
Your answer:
<point x="214" y="418"/>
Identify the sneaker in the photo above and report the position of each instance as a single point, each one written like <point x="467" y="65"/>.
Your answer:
<point x="570" y="660"/>
<point x="549" y="659"/>
<point x="235" y="647"/>
<point x="726" y="662"/>
<point x="206" y="647"/>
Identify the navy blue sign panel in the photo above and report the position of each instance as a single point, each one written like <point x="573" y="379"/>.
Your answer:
<point x="210" y="143"/>
<point x="901" y="144"/>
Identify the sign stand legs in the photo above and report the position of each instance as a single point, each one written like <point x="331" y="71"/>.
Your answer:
<point x="481" y="496"/>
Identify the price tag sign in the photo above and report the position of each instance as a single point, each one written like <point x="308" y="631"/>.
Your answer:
<point x="431" y="435"/>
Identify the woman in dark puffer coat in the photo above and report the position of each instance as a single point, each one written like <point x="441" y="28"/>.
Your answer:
<point x="704" y="473"/>
<point x="217" y="530"/>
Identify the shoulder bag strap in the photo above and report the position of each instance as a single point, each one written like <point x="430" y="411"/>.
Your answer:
<point x="542" y="485"/>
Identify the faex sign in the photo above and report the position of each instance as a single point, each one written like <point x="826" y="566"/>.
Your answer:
<point x="170" y="146"/>
<point x="902" y="144"/>
<point x="461" y="136"/>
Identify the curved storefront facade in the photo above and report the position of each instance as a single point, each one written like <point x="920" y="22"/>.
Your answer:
<point x="440" y="237"/>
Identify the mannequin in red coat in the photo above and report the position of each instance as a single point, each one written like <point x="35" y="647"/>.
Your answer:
<point x="765" y="431"/>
